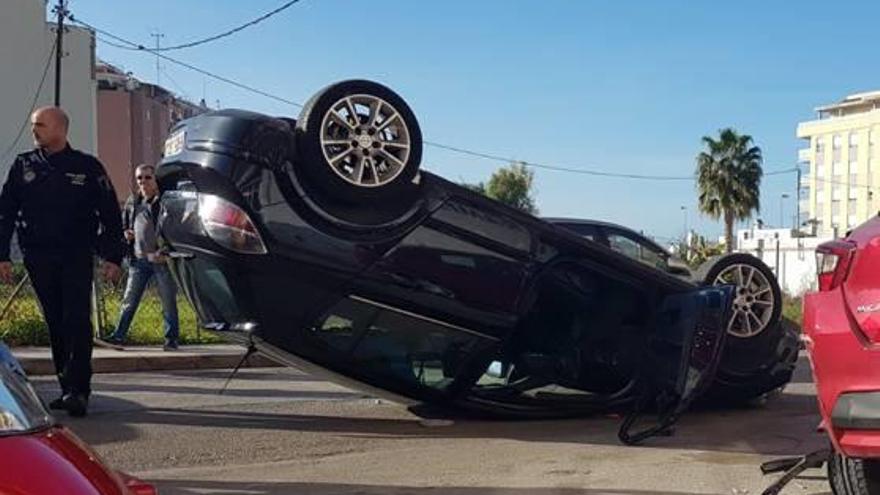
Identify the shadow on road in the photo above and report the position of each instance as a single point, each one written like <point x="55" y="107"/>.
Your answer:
<point x="785" y="426"/>
<point x="190" y="487"/>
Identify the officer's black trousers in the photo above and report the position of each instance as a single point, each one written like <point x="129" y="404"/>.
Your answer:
<point x="63" y="283"/>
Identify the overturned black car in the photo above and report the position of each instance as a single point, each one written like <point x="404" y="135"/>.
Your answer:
<point x="319" y="242"/>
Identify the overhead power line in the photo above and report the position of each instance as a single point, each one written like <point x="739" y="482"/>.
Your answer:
<point x="187" y="65"/>
<point x="478" y="154"/>
<point x="215" y="37"/>
<point x="36" y="97"/>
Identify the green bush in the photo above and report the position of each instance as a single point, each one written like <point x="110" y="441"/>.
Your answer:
<point x="23" y="323"/>
<point x="791" y="309"/>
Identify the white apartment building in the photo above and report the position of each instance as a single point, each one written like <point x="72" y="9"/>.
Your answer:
<point x="840" y="183"/>
<point x="26" y="42"/>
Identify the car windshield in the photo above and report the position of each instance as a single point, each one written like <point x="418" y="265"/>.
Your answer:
<point x="20" y="408"/>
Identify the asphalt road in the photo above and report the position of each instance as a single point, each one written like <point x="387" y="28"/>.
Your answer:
<point x="279" y="431"/>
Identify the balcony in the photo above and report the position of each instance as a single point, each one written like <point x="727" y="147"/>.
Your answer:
<point x="805" y="155"/>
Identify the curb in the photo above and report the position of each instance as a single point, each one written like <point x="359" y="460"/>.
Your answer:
<point x="38" y="361"/>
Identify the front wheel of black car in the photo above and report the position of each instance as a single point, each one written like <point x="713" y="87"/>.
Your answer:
<point x="761" y="349"/>
<point x="359" y="142"/>
<point x="849" y="476"/>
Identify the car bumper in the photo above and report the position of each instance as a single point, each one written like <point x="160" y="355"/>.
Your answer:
<point x="846" y="371"/>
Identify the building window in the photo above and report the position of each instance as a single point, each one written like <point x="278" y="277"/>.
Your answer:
<point x="835" y="208"/>
<point x="835" y="148"/>
<point x="853" y="147"/>
<point x="820" y="152"/>
<point x="851" y="207"/>
<point x="836" y="168"/>
<point x="820" y="185"/>
<point x="872" y="138"/>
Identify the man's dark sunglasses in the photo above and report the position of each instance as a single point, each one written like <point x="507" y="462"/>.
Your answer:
<point x="143" y="177"/>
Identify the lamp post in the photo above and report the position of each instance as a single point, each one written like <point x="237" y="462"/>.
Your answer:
<point x="685" y="212"/>
<point x="781" y="205"/>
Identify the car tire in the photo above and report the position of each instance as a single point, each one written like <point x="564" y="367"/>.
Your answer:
<point x="850" y="476"/>
<point x="756" y="360"/>
<point x="358" y="142"/>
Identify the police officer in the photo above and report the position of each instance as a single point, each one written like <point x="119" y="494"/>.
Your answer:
<point x="63" y="207"/>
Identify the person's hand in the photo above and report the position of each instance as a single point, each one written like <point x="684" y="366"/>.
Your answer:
<point x="129" y="235"/>
<point x="110" y="271"/>
<point x="157" y="257"/>
<point x="6" y="272"/>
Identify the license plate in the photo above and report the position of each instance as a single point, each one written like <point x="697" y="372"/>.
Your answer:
<point x="174" y="143"/>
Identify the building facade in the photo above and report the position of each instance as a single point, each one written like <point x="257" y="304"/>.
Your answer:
<point x="840" y="183"/>
<point x="27" y="57"/>
<point x="134" y="118"/>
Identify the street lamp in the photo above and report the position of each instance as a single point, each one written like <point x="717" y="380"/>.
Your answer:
<point x="781" y="204"/>
<point x="685" y="211"/>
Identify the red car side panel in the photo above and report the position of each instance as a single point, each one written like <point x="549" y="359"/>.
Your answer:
<point x="54" y="461"/>
<point x="841" y="363"/>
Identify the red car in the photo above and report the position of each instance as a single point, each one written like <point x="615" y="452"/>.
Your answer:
<point x="842" y="329"/>
<point x="39" y="457"/>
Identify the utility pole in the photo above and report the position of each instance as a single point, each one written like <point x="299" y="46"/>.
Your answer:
<point x="797" y="197"/>
<point x="158" y="36"/>
<point x="60" y="11"/>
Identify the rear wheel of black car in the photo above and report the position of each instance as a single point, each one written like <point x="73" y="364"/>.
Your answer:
<point x="849" y="476"/>
<point x="359" y="142"/>
<point x="761" y="350"/>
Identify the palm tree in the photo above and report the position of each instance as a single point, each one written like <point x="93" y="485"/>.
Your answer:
<point x="729" y="179"/>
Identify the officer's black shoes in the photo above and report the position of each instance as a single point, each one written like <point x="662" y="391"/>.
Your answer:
<point x="170" y="346"/>
<point x="57" y="404"/>
<point x="77" y="405"/>
<point x="116" y="341"/>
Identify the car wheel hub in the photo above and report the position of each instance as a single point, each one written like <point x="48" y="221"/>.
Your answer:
<point x="365" y="140"/>
<point x="754" y="302"/>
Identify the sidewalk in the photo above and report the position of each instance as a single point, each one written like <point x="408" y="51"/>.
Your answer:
<point x="38" y="360"/>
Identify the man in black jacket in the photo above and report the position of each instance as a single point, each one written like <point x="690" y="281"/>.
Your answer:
<point x="63" y="207"/>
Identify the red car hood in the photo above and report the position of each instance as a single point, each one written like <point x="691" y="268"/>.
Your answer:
<point x="56" y="461"/>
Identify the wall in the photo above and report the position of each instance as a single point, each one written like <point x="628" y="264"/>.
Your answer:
<point x="114" y="139"/>
<point x="26" y="41"/>
<point x="792" y="259"/>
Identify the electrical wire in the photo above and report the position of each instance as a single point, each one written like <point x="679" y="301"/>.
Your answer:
<point x="137" y="46"/>
<point x="36" y="97"/>
<point x="486" y="156"/>
<point x="179" y="88"/>
<point x="185" y="64"/>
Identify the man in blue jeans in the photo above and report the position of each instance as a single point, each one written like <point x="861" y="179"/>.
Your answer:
<point x="140" y="215"/>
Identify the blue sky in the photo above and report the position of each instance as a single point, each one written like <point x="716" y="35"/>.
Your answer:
<point x="626" y="86"/>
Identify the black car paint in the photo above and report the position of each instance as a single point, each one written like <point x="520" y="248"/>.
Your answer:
<point x="452" y="262"/>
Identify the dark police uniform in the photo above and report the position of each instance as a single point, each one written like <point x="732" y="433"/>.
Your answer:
<point x="57" y="203"/>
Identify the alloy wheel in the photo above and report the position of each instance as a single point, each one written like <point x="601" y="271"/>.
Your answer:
<point x="753" y="302"/>
<point x="365" y="140"/>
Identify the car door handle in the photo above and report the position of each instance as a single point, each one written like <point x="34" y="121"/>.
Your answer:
<point x="179" y="255"/>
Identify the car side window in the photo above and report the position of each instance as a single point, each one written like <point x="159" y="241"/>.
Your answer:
<point x="624" y="245"/>
<point x="581" y="229"/>
<point x="631" y="247"/>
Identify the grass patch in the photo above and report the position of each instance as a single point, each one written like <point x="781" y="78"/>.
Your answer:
<point x="23" y="322"/>
<point x="792" y="309"/>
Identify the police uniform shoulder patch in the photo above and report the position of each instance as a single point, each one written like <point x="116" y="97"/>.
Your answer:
<point x="104" y="182"/>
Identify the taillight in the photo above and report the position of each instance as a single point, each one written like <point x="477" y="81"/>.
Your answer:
<point x="832" y="263"/>
<point x="229" y="225"/>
